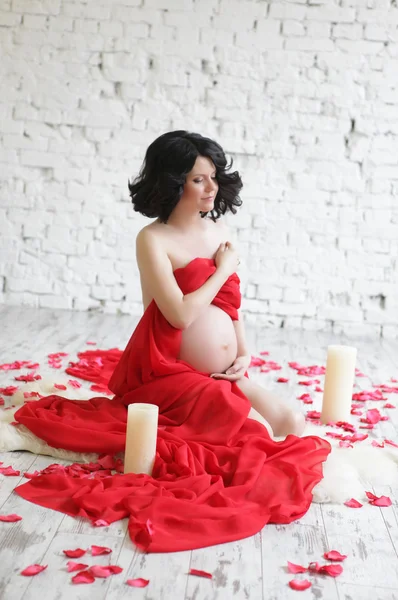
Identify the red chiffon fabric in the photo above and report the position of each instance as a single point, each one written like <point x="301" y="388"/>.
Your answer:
<point x="217" y="477"/>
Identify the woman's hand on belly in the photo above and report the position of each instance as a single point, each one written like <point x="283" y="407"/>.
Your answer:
<point x="236" y="371"/>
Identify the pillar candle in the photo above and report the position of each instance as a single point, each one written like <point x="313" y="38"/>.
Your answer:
<point x="339" y="383"/>
<point x="141" y="436"/>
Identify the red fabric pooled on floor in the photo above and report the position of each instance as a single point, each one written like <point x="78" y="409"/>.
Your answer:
<point x="217" y="477"/>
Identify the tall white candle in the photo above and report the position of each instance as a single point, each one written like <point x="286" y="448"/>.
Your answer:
<point x="141" y="436"/>
<point x="339" y="383"/>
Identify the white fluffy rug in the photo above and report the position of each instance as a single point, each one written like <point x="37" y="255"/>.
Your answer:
<point x="348" y="472"/>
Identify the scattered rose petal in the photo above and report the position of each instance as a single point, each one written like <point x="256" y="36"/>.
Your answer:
<point x="139" y="582"/>
<point x="378" y="501"/>
<point x="10" y="518"/>
<point x="9" y="472"/>
<point x="334" y="555"/>
<point x="318" y="389"/>
<point x="282" y="380"/>
<point x="391" y="443"/>
<point x="377" y="444"/>
<point x="345" y="444"/>
<point x="331" y="570"/>
<point x="74" y="553"/>
<point x="74" y="566"/>
<point x="300" y="584"/>
<point x="91" y="343"/>
<point x="313" y="414"/>
<point x="75" y="384"/>
<point x="200" y="573"/>
<point x="100" y="523"/>
<point x="389" y="405"/>
<point x="292" y="568"/>
<point x="306" y="398"/>
<point x="105" y="570"/>
<point x="33" y="570"/>
<point x="9" y="391"/>
<point x="98" y="550"/>
<point x="83" y="577"/>
<point x="60" y="386"/>
<point x="28" y="377"/>
<point x="353" y="503"/>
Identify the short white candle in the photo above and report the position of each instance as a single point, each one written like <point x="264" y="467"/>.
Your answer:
<point x="339" y="383"/>
<point x="141" y="436"/>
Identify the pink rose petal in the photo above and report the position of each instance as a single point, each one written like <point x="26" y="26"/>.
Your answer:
<point x="74" y="566"/>
<point x="139" y="582"/>
<point x="331" y="570"/>
<point x="293" y="568"/>
<point x="33" y="570"/>
<point x="377" y="444"/>
<point x="334" y="555"/>
<point x="200" y="573"/>
<point x="300" y="584"/>
<point x="9" y="472"/>
<point x="100" y="523"/>
<point x="10" y="518"/>
<point x="74" y="553"/>
<point x="391" y="443"/>
<point x="381" y="501"/>
<point x="353" y="503"/>
<point x="105" y="570"/>
<point x="98" y="550"/>
<point x="83" y="577"/>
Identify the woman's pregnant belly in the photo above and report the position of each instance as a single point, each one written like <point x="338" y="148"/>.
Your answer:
<point x="209" y="344"/>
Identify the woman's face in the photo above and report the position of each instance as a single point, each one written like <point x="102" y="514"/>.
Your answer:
<point x="201" y="185"/>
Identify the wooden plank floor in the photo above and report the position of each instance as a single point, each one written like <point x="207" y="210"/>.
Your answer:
<point x="254" y="568"/>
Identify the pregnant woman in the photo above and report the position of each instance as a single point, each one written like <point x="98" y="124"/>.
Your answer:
<point x="218" y="475"/>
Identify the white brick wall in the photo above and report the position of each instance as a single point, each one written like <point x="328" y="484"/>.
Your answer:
<point x="303" y="94"/>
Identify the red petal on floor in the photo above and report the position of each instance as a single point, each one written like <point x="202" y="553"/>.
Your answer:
<point x="373" y="416"/>
<point x="391" y="443"/>
<point x="83" y="577"/>
<point x="200" y="573"/>
<point x="60" y="386"/>
<point x="353" y="503"/>
<point x="332" y="434"/>
<point x="377" y="444"/>
<point x="74" y="553"/>
<point x="139" y="582"/>
<point x="313" y="414"/>
<point x="104" y="571"/>
<point x="318" y="389"/>
<point x="10" y="518"/>
<point x="75" y="384"/>
<point x="381" y="501"/>
<point x="345" y="444"/>
<point x="366" y="426"/>
<point x="334" y="555"/>
<point x="98" y="550"/>
<point x="100" y="523"/>
<point x="331" y="570"/>
<point x="293" y="568"/>
<point x="74" y="566"/>
<point x="389" y="405"/>
<point x="9" y="472"/>
<point x="9" y="391"/>
<point x="33" y="570"/>
<point x="300" y="584"/>
<point x="282" y="380"/>
<point x="356" y="411"/>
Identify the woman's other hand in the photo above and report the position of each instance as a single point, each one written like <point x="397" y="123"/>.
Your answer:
<point x="227" y="258"/>
<point x="236" y="371"/>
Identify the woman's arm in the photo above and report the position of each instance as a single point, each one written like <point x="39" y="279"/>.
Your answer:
<point x="241" y="336"/>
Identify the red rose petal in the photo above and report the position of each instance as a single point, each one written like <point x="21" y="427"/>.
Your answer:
<point x="74" y="553"/>
<point x="292" y="568"/>
<point x="60" y="386"/>
<point x="105" y="570"/>
<point x="83" y="577"/>
<point x="75" y="384"/>
<point x="391" y="443"/>
<point x="9" y="472"/>
<point x="100" y="523"/>
<point x="10" y="518"/>
<point x="345" y="444"/>
<point x="91" y="343"/>
<point x="282" y="380"/>
<point x="74" y="566"/>
<point x="353" y="503"/>
<point x="200" y="573"/>
<point x="300" y="584"/>
<point x="331" y="570"/>
<point x="377" y="444"/>
<point x="389" y="405"/>
<point x="98" y="550"/>
<point x="33" y="570"/>
<point x="334" y="555"/>
<point x="139" y="582"/>
<point x="382" y="501"/>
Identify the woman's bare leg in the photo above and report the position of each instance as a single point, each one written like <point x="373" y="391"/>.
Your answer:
<point x="281" y="417"/>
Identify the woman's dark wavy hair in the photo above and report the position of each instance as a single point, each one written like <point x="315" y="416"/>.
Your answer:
<point x="160" y="184"/>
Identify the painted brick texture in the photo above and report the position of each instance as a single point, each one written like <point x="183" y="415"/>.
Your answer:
<point x="303" y="95"/>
